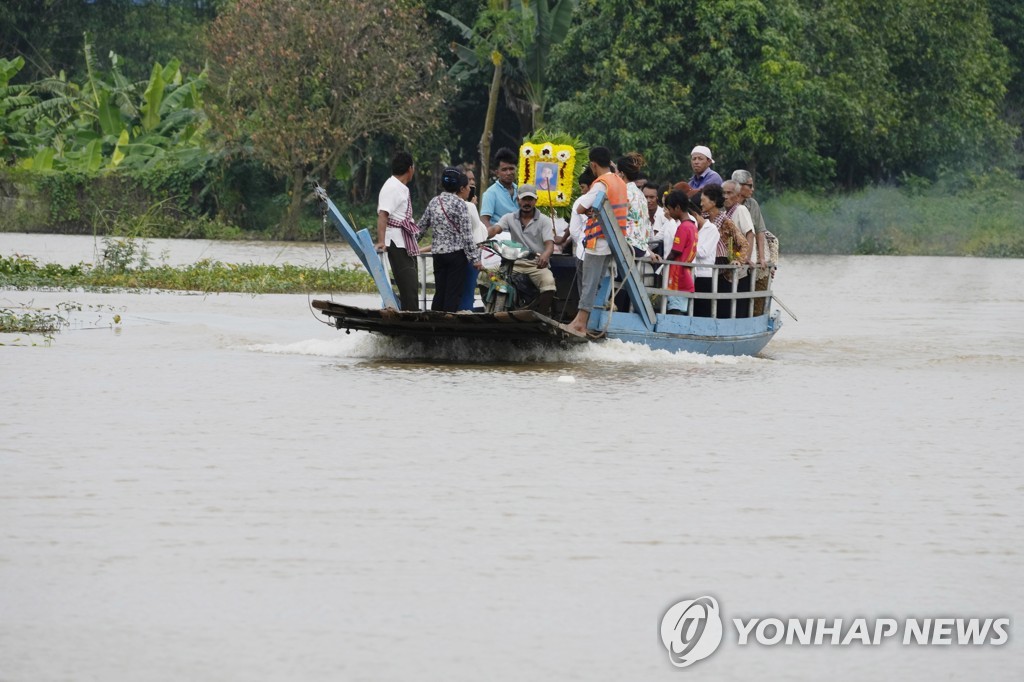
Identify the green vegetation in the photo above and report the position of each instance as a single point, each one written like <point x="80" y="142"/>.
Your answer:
<point x="30" y="321"/>
<point x="207" y="276"/>
<point x="299" y="89"/>
<point x="807" y="94"/>
<point x="512" y="40"/>
<point x="44" y="323"/>
<point x="978" y="216"/>
<point x="211" y="118"/>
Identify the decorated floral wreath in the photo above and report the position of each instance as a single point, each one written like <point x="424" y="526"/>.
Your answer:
<point x="551" y="168"/>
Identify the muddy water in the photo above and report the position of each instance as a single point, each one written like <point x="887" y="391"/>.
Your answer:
<point x="223" y="488"/>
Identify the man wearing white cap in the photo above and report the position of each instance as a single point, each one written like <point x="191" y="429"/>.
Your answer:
<point x="700" y="161"/>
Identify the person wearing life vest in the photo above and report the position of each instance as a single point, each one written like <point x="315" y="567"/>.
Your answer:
<point x="598" y="254"/>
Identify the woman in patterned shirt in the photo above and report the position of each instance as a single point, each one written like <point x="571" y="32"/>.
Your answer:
<point x="453" y="246"/>
<point x="732" y="245"/>
<point x="638" y="219"/>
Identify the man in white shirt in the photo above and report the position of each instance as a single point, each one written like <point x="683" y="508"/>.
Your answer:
<point x="397" y="232"/>
<point x="708" y="237"/>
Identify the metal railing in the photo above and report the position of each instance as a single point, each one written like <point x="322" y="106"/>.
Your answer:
<point x="648" y="268"/>
<point x="716" y="297"/>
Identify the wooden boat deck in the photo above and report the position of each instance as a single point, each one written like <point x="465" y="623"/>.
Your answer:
<point x="515" y="325"/>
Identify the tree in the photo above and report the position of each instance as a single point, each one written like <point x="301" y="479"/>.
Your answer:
<point x="301" y="81"/>
<point x="800" y="90"/>
<point x="550" y="21"/>
<point x="909" y="87"/>
<point x="513" y="41"/>
<point x="46" y="33"/>
<point x="1008" y="26"/>
<point x="758" y="99"/>
<point x="622" y="74"/>
<point x="492" y="40"/>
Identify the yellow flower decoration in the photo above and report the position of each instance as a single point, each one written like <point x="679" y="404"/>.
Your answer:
<point x="550" y="168"/>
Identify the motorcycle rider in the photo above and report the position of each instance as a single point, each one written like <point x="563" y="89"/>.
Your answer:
<point x="535" y="230"/>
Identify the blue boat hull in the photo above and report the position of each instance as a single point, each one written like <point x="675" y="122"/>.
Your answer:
<point x="706" y="336"/>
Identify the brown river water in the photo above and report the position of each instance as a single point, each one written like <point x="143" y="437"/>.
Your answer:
<point x="221" y="487"/>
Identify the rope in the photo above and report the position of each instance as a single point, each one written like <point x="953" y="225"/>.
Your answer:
<point x="322" y="196"/>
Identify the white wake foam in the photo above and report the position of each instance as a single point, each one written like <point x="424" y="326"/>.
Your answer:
<point x="462" y="351"/>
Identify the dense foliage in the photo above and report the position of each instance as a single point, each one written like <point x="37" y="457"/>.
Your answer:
<point x="106" y="105"/>
<point x="48" y="33"/>
<point x="302" y="89"/>
<point x="804" y="93"/>
<point x="105" y="121"/>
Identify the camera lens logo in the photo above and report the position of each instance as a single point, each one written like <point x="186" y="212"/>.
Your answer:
<point x="691" y="630"/>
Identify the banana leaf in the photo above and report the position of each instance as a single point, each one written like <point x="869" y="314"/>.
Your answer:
<point x="9" y="68"/>
<point x="136" y="149"/>
<point x="42" y="161"/>
<point x="88" y="158"/>
<point x="172" y="72"/>
<point x="118" y="156"/>
<point x="153" y="96"/>
<point x="92" y="156"/>
<point x="109" y="115"/>
<point x="182" y="97"/>
<point x="176" y="123"/>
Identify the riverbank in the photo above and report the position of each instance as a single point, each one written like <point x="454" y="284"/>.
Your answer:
<point x="23" y="272"/>
<point x="981" y="217"/>
<point x="956" y="216"/>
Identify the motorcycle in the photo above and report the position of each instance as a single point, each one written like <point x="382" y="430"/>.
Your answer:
<point x="506" y="289"/>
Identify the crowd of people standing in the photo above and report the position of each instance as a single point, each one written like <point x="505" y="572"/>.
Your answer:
<point x="688" y="227"/>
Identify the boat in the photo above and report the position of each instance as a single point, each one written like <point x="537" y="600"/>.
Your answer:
<point x="642" y="324"/>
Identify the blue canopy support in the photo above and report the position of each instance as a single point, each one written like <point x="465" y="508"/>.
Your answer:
<point x="362" y="243"/>
<point x="622" y="253"/>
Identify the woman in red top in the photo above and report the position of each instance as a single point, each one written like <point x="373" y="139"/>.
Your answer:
<point x="683" y="249"/>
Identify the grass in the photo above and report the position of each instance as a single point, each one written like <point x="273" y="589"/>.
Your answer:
<point x="979" y="216"/>
<point x="20" y="272"/>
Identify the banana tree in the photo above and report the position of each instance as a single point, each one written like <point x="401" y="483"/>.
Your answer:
<point x="110" y="122"/>
<point x="491" y="41"/>
<point x="516" y="40"/>
<point x="551" y="22"/>
<point x="16" y="138"/>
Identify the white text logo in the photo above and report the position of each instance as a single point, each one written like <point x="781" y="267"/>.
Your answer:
<point x="691" y="630"/>
<point x="839" y="632"/>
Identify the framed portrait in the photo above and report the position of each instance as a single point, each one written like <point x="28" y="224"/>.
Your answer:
<point x="549" y="167"/>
